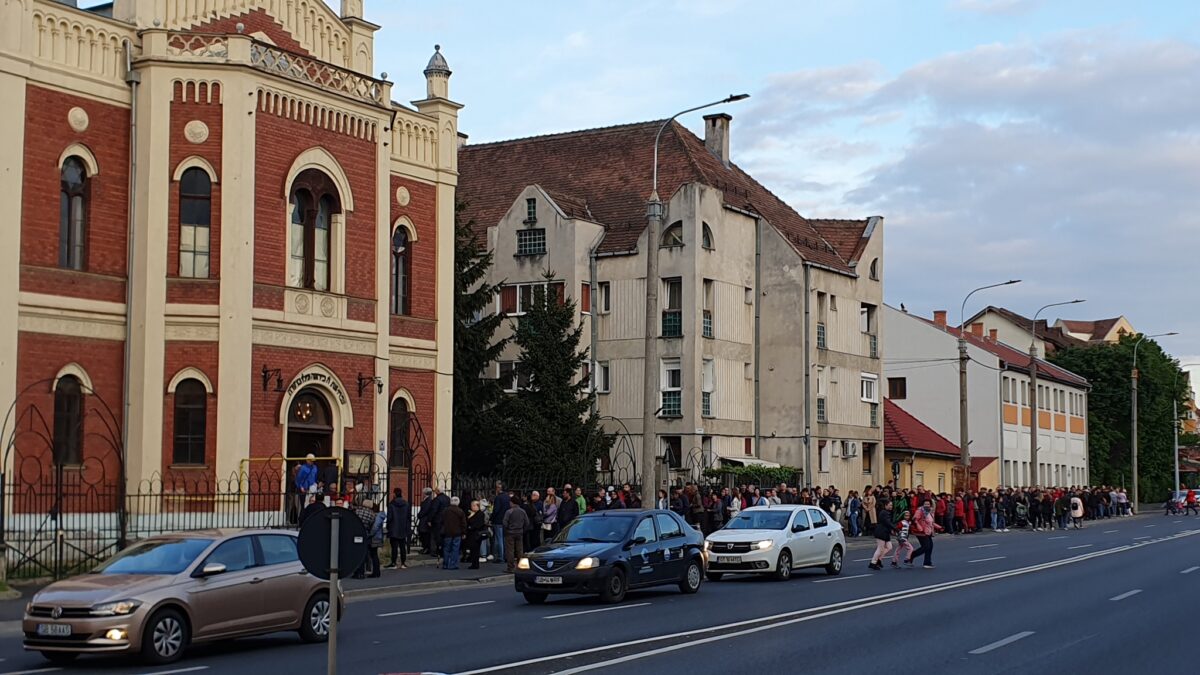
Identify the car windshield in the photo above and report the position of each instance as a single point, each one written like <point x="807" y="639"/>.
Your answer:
<point x="606" y="530"/>
<point x="159" y="556"/>
<point x="760" y="520"/>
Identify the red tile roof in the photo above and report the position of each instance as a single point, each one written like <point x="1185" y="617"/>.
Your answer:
<point x="609" y="170"/>
<point x="1015" y="357"/>
<point x="902" y="431"/>
<point x="1057" y="338"/>
<point x="846" y="236"/>
<point x="980" y="463"/>
<point x="1096" y="330"/>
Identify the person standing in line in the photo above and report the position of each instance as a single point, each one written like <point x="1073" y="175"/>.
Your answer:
<point x="514" y="524"/>
<point x="501" y="503"/>
<point x="923" y="528"/>
<point x="883" y="535"/>
<point x="869" y="509"/>
<point x="1077" y="512"/>
<point x="477" y="527"/>
<point x="375" y="538"/>
<point x="365" y="512"/>
<point x="902" y="544"/>
<point x="453" y="530"/>
<point x="568" y="510"/>
<point x="424" y="513"/>
<point x="550" y="517"/>
<point x="855" y="512"/>
<point x="316" y="503"/>
<point x="399" y="528"/>
<point x="580" y="501"/>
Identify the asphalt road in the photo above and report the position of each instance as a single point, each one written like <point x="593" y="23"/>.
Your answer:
<point x="1116" y="596"/>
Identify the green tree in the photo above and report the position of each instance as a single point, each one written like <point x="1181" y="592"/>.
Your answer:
<point x="550" y="430"/>
<point x="475" y="347"/>
<point x="1107" y="367"/>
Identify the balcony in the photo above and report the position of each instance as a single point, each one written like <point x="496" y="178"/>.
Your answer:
<point x="672" y="323"/>
<point x="672" y="404"/>
<point x="708" y="323"/>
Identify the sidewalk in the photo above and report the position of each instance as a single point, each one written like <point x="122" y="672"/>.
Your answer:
<point x="423" y="573"/>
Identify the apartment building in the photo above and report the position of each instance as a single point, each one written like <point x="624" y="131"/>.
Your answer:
<point x="755" y="300"/>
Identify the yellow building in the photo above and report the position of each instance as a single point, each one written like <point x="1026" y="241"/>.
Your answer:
<point x="916" y="454"/>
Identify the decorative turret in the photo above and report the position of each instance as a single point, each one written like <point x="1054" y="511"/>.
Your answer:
<point x="437" y="75"/>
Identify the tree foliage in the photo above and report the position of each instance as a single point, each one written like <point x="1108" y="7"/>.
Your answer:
<point x="549" y="427"/>
<point x="1108" y="368"/>
<point x="475" y="347"/>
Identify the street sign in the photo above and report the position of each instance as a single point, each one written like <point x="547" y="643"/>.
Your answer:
<point x="315" y="549"/>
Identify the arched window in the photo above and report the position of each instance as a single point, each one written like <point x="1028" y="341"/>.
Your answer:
<point x="706" y="237"/>
<point x="401" y="272"/>
<point x="191" y="422"/>
<point x="400" y="454"/>
<point x="314" y="203"/>
<point x="72" y="214"/>
<point x="68" y="421"/>
<point x="195" y="216"/>
<point x="875" y="269"/>
<point x="673" y="235"/>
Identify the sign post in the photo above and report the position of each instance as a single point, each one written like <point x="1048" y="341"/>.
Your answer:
<point x="333" y="543"/>
<point x="335" y="519"/>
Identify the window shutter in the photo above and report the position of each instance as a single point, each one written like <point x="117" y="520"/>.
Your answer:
<point x="508" y="299"/>
<point x="585" y="297"/>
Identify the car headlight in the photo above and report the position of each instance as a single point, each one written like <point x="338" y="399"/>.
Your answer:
<point x="523" y="564"/>
<point x="587" y="563"/>
<point x="119" y="608"/>
<point x="764" y="545"/>
<point x="707" y="545"/>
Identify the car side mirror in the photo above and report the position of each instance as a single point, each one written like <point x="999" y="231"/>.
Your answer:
<point x="211" y="570"/>
<point x="799" y="528"/>
<point x="638" y="541"/>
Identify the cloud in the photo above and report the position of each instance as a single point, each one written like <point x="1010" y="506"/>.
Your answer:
<point x="993" y="7"/>
<point x="1070" y="162"/>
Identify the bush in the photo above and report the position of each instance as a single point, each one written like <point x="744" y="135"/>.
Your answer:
<point x="758" y="475"/>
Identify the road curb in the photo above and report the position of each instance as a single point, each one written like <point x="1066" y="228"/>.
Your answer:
<point x="400" y="589"/>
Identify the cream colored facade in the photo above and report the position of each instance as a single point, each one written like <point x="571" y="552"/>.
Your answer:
<point x="59" y="47"/>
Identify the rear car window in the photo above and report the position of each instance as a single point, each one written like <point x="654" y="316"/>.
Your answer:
<point x="278" y="549"/>
<point x="818" y="518"/>
<point x="235" y="554"/>
<point x="667" y="526"/>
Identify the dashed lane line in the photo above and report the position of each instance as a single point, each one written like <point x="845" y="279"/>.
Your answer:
<point x="594" y="611"/>
<point x="177" y="670"/>
<point x="435" y="609"/>
<point x="1126" y="594"/>
<point x="1190" y="570"/>
<point x="825" y="581"/>
<point x="1061" y="537"/>
<point x="1111" y="531"/>
<point x="999" y="557"/>
<point x="1071" y="548"/>
<point x="1001" y="643"/>
<point x="985" y="545"/>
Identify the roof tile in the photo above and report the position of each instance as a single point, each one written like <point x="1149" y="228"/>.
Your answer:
<point x="903" y="431"/>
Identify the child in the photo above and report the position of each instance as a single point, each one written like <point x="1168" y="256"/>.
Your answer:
<point x="902" y="544"/>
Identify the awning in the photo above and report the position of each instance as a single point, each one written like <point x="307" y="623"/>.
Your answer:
<point x="750" y="461"/>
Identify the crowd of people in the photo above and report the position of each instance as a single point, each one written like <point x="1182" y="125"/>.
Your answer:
<point x="499" y="527"/>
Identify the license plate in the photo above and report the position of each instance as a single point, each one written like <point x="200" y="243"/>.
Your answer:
<point x="548" y="580"/>
<point x="56" y="629"/>
<point x="729" y="559"/>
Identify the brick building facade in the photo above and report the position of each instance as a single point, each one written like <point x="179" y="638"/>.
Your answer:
<point x="234" y="249"/>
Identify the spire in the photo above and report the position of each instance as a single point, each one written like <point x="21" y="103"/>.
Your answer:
<point x="437" y="75"/>
<point x="437" y="63"/>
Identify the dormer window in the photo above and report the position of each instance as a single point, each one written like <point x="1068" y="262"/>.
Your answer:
<point x="673" y="235"/>
<point x="530" y="211"/>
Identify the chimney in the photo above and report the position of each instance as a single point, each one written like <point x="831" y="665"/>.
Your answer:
<point x="716" y="135"/>
<point x="992" y="334"/>
<point x="939" y="318"/>
<point x="977" y="329"/>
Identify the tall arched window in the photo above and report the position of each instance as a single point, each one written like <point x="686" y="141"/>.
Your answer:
<point x="68" y="421"/>
<point x="400" y="453"/>
<point x="875" y="269"/>
<point x="707" y="237"/>
<point x="191" y="422"/>
<point x="314" y="203"/>
<point x="195" y="217"/>
<point x="673" y="235"/>
<point x="72" y="214"/>
<point x="401" y="272"/>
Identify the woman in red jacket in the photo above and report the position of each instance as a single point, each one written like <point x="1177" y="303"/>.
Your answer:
<point x="960" y="514"/>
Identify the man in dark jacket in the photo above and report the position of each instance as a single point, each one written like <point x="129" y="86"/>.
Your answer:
<point x="883" y="534"/>
<point x="568" y="509"/>
<point x="500" y="504"/>
<point x="424" y="523"/>
<point x="454" y="528"/>
<point x="440" y="503"/>
<point x="316" y="504"/>
<point x="399" y="528"/>
<point x="514" y="524"/>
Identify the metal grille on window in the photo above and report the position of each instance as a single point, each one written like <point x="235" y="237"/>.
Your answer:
<point x="706" y="403"/>
<point x="672" y="404"/>
<point x="708" y="323"/>
<point x="821" y="410"/>
<point x="531" y="241"/>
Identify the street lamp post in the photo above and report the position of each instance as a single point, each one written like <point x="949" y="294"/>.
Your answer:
<point x="654" y="216"/>
<point x="964" y="438"/>
<point x="1133" y="441"/>
<point x="1033" y="392"/>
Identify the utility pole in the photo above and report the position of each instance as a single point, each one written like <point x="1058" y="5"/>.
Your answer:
<point x="650" y="406"/>
<point x="1033" y="393"/>
<point x="964" y="435"/>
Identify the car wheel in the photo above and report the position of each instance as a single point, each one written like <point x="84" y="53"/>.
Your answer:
<point x="714" y="576"/>
<point x="535" y="598"/>
<point x="60" y="658"/>
<point x="165" y="637"/>
<point x="783" y="570"/>
<point x="692" y="578"/>
<point x="614" y="587"/>
<point x="314" y="624"/>
<point x="834" y="567"/>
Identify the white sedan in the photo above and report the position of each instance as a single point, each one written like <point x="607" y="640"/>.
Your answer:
<point x="776" y="540"/>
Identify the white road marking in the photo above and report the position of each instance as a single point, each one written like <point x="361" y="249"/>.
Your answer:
<point x="1136" y="538"/>
<point x="1111" y="531"/>
<point x="593" y="611"/>
<point x="824" y="581"/>
<point x="1177" y="521"/>
<point x="31" y="672"/>
<point x="861" y="560"/>
<point x="178" y="670"/>
<point x="1071" y="548"/>
<point x="1001" y="643"/>
<point x="1062" y="537"/>
<point x="1151" y="526"/>
<point x="985" y="545"/>
<point x="435" y="609"/>
<point x="999" y="557"/>
<point x="794" y="617"/>
<point x="1190" y="570"/>
<point x="1126" y="594"/>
